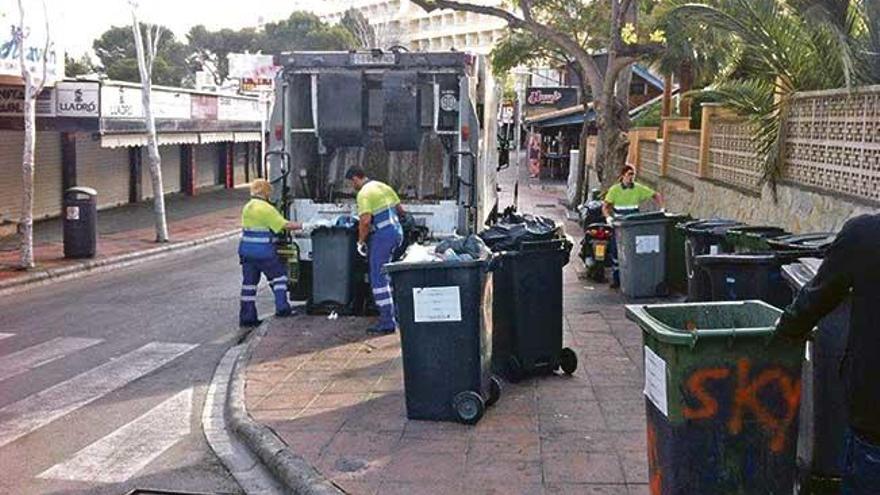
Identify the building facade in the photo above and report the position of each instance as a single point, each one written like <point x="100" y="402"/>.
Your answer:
<point x="404" y="23"/>
<point x="92" y="133"/>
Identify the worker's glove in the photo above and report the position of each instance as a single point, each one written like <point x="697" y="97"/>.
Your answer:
<point x="362" y="249"/>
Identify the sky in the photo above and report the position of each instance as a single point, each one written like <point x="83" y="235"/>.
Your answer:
<point x="79" y="22"/>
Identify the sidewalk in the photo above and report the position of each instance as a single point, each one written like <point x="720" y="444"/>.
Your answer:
<point x="127" y="230"/>
<point x="336" y="398"/>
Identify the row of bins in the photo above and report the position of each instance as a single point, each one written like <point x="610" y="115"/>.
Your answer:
<point x="463" y="322"/>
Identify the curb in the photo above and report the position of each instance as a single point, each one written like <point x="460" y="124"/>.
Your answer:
<point x="290" y="469"/>
<point x="96" y="266"/>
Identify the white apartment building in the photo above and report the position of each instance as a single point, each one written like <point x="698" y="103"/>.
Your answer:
<point x="402" y="22"/>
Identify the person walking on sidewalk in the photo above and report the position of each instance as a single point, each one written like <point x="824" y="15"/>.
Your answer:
<point x="851" y="266"/>
<point x="260" y="221"/>
<point x="625" y="198"/>
<point x="379" y="210"/>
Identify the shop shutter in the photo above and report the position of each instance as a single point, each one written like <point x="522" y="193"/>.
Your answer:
<point x="170" y="157"/>
<point x="47" y="175"/>
<point x="207" y="157"/>
<point x="240" y="164"/>
<point x="106" y="170"/>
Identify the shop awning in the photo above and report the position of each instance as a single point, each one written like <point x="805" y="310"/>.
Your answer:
<point x="123" y="140"/>
<point x="247" y="137"/>
<point x="216" y="137"/>
<point x="571" y="118"/>
<point x="178" y="138"/>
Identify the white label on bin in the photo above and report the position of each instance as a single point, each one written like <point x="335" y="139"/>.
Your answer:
<point x="713" y="249"/>
<point x="655" y="380"/>
<point x="73" y="212"/>
<point x="433" y="304"/>
<point x="647" y="244"/>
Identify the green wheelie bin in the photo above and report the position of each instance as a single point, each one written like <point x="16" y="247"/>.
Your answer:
<point x="722" y="398"/>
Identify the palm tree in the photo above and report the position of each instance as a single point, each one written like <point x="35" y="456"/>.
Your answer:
<point x="776" y="48"/>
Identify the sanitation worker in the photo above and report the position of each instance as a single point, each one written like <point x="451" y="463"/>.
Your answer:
<point x="624" y="198"/>
<point x="379" y="235"/>
<point x="260" y="222"/>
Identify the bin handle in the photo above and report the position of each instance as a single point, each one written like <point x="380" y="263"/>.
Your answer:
<point x="495" y="261"/>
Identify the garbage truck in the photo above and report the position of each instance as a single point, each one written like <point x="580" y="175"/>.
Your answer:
<point x="414" y="120"/>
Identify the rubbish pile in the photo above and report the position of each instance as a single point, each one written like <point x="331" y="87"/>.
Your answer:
<point x="514" y="229"/>
<point x="457" y="248"/>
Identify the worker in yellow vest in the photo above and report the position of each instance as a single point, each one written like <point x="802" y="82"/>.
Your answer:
<point x="260" y="222"/>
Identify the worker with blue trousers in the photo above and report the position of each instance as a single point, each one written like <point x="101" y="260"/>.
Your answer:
<point x="260" y="222"/>
<point x="379" y="213"/>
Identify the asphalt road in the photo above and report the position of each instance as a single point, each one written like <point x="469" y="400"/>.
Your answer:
<point x="103" y="378"/>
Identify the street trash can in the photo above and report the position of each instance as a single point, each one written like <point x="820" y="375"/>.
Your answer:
<point x="676" y="270"/>
<point x="641" y="254"/>
<point x="823" y="403"/>
<point x="722" y="398"/>
<point x="703" y="237"/>
<point x="80" y="226"/>
<point x="753" y="238"/>
<point x="334" y="252"/>
<point x="741" y="277"/>
<point x="444" y="312"/>
<point x="527" y="311"/>
<point x="811" y="245"/>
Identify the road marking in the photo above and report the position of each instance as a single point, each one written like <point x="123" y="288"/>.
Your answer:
<point x="42" y="408"/>
<point x="40" y="354"/>
<point x="120" y="455"/>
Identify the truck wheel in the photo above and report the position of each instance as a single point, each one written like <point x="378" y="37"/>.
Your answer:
<point x="469" y="407"/>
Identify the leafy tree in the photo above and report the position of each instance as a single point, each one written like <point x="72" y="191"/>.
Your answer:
<point x="77" y="66"/>
<point x="116" y="51"/>
<point x="572" y="31"/>
<point x="210" y="48"/>
<point x="304" y="31"/>
<point x="359" y="27"/>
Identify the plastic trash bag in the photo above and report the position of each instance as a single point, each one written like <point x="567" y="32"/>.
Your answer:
<point x="471" y="246"/>
<point x="514" y="229"/>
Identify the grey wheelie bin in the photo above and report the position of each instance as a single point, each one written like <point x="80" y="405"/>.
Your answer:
<point x="703" y="237"/>
<point x="527" y="311"/>
<point x="641" y="254"/>
<point x="823" y="397"/>
<point x="444" y="312"/>
<point x="334" y="252"/>
<point x="721" y="398"/>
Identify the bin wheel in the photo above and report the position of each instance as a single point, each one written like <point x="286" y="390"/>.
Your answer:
<point x="469" y="406"/>
<point x="494" y="391"/>
<point x="568" y="360"/>
<point x="514" y="369"/>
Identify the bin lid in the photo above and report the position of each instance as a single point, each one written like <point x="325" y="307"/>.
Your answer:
<point x="82" y="190"/>
<point x="800" y="273"/>
<point x="758" y="231"/>
<point x="402" y="266"/>
<point x="642" y="218"/>
<point x="817" y="240"/>
<point x="698" y="226"/>
<point x="686" y="323"/>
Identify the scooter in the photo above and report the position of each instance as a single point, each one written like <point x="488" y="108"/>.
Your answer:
<point x="597" y="236"/>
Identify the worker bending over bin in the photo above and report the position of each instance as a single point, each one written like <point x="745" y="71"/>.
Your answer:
<point x="379" y="235"/>
<point x="260" y="223"/>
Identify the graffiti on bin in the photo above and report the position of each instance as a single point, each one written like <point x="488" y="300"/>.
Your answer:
<point x="736" y="394"/>
<point x="655" y="472"/>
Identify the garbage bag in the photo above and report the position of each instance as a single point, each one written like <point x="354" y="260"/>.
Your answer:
<point x="470" y="247"/>
<point x="514" y="229"/>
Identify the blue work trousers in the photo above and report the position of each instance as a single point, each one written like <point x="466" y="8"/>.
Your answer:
<point x="251" y="271"/>
<point x="383" y="243"/>
<point x="861" y="466"/>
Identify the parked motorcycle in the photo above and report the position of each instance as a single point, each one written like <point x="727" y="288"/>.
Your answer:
<point x="597" y="236"/>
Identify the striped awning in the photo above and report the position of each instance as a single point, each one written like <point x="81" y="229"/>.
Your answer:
<point x="216" y="137"/>
<point x="247" y="137"/>
<point x="178" y="138"/>
<point x="123" y="140"/>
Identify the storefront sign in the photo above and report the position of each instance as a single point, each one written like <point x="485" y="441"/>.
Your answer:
<point x="203" y="107"/>
<point x="170" y="105"/>
<point x="240" y="109"/>
<point x="551" y="97"/>
<point x="77" y="99"/>
<point x="121" y="102"/>
<point x="34" y="44"/>
<point x="12" y="102"/>
<point x="251" y="66"/>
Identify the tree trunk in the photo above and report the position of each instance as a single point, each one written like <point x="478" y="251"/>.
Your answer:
<point x="154" y="159"/>
<point x="26" y="225"/>
<point x="666" y="108"/>
<point x="686" y="83"/>
<point x="611" y="145"/>
<point x="583" y="181"/>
